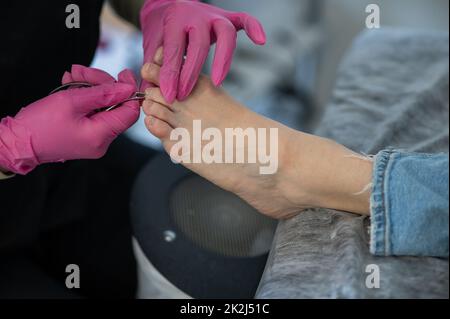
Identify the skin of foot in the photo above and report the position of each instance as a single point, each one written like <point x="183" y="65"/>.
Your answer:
<point x="312" y="171"/>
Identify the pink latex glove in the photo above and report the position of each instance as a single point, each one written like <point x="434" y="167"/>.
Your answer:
<point x="189" y="25"/>
<point x="64" y="126"/>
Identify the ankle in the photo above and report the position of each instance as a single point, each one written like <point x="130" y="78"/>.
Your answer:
<point x="292" y="179"/>
<point x="319" y="173"/>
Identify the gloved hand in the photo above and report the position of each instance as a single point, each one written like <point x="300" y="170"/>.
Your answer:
<point x="175" y="25"/>
<point x="64" y="126"/>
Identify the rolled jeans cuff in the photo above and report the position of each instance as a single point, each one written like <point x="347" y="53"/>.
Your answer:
<point x="379" y="221"/>
<point x="409" y="204"/>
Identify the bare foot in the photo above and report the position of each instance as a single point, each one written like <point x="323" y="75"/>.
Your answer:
<point x="311" y="171"/>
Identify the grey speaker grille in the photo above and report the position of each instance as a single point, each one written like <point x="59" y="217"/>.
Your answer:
<point x="219" y="221"/>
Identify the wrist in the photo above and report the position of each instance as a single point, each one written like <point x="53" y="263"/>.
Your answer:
<point x="16" y="151"/>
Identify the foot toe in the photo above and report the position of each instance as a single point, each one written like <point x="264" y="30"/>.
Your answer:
<point x="158" y="127"/>
<point x="161" y="112"/>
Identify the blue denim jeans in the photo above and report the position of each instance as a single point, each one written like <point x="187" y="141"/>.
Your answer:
<point x="410" y="204"/>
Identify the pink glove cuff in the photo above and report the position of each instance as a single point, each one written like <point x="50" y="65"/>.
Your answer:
<point x="16" y="152"/>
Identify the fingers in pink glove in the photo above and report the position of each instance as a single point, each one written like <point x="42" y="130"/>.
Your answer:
<point x="226" y="44"/>
<point x="150" y="50"/>
<point x="80" y="73"/>
<point x="174" y="49"/>
<point x="67" y="78"/>
<point x="127" y="76"/>
<point x="128" y="112"/>
<point x="90" y="99"/>
<point x="123" y="117"/>
<point x="115" y="121"/>
<point x="251" y="25"/>
<point x="118" y="120"/>
<point x="170" y="23"/>
<point x="197" y="53"/>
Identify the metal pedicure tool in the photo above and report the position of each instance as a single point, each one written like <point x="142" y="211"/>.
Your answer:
<point x="136" y="96"/>
<point x="71" y="85"/>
